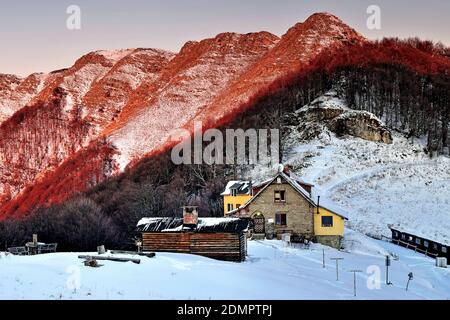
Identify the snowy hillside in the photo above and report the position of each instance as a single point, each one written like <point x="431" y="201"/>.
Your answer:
<point x="375" y="183"/>
<point x="380" y="184"/>
<point x="272" y="271"/>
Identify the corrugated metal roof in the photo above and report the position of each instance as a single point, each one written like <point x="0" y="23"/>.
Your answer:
<point x="171" y="224"/>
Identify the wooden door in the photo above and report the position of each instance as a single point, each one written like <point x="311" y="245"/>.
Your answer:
<point x="259" y="224"/>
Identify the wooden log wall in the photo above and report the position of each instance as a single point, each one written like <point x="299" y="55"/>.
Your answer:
<point x="221" y="246"/>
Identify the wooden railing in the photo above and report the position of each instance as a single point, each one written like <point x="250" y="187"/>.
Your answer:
<point x="410" y="246"/>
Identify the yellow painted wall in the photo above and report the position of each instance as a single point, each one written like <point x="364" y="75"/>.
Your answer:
<point x="338" y="224"/>
<point x="240" y="199"/>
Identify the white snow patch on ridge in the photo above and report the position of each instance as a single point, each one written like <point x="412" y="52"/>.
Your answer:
<point x="115" y="55"/>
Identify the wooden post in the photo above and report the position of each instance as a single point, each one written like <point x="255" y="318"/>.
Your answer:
<point x="35" y="239"/>
<point x="337" y="266"/>
<point x="323" y="258"/>
<point x="354" y="280"/>
<point x="137" y="261"/>
<point x="101" y="249"/>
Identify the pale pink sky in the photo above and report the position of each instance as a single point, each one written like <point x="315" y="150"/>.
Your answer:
<point x="34" y="37"/>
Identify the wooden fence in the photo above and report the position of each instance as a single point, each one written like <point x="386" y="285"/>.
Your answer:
<point x="410" y="246"/>
<point x="222" y="246"/>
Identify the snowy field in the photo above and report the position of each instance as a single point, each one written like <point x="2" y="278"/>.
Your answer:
<point x="272" y="271"/>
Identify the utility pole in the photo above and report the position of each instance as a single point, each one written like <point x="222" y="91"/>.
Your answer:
<point x="354" y="280"/>
<point x="323" y="258"/>
<point x="337" y="266"/>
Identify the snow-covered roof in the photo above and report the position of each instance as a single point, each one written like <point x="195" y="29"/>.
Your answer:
<point x="242" y="187"/>
<point x="261" y="183"/>
<point x="333" y="207"/>
<point x="171" y="224"/>
<point x="328" y="204"/>
<point x="295" y="184"/>
<point x="419" y="234"/>
<point x="295" y="177"/>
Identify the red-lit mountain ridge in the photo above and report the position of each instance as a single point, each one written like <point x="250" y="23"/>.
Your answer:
<point x="75" y="127"/>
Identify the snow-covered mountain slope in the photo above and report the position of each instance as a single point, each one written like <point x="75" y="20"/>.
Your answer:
<point x="69" y="112"/>
<point x="376" y="183"/>
<point x="295" y="50"/>
<point x="17" y="92"/>
<point x="381" y="184"/>
<point x="130" y="102"/>
<point x="106" y="98"/>
<point x="188" y="83"/>
<point x="8" y="83"/>
<point x="135" y="99"/>
<point x="222" y="74"/>
<point x="271" y="271"/>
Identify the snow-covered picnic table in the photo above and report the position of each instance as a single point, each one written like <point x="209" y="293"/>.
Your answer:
<point x="40" y="247"/>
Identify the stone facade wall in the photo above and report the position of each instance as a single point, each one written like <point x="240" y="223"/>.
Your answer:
<point x="331" y="241"/>
<point x="299" y="212"/>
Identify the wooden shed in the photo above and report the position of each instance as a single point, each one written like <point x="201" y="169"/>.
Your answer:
<point x="218" y="238"/>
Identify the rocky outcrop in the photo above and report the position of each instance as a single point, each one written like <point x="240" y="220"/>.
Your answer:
<point x="361" y="124"/>
<point x="331" y="113"/>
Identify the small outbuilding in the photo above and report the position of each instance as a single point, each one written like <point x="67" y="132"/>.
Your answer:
<point x="218" y="238"/>
<point x="412" y="240"/>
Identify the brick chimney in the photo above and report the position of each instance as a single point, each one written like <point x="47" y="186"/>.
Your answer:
<point x="190" y="216"/>
<point x="287" y="170"/>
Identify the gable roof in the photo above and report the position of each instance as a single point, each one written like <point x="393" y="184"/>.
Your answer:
<point x="289" y="180"/>
<point x="329" y="204"/>
<point x="295" y="177"/>
<point x="333" y="209"/>
<point x="295" y="181"/>
<point x="242" y="187"/>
